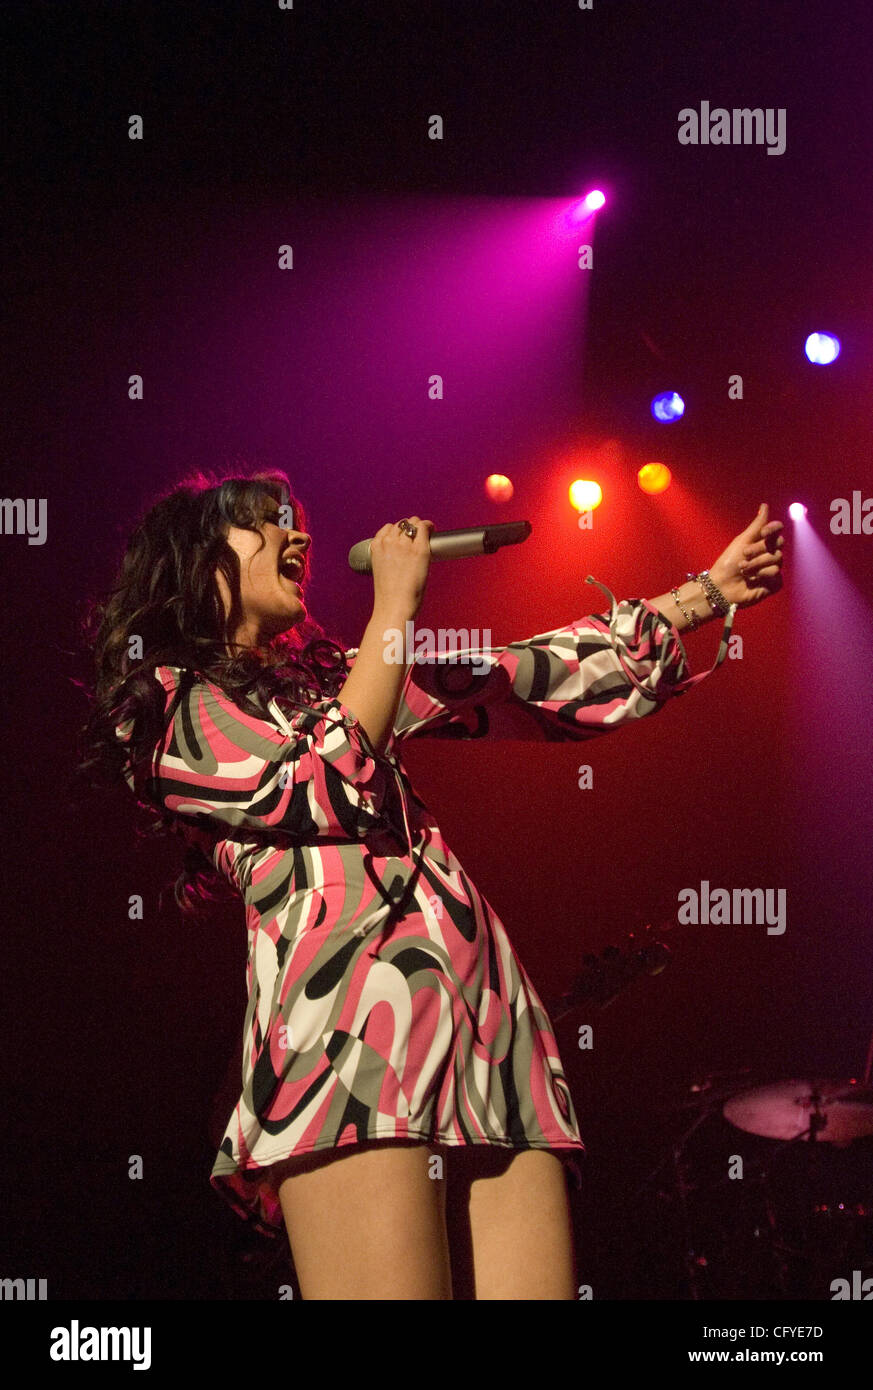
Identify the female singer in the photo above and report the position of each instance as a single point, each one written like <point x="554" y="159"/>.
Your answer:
<point x="404" y="1113"/>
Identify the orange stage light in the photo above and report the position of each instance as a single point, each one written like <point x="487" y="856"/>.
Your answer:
<point x="654" y="477"/>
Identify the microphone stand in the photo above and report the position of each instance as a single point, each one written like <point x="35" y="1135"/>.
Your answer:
<point x="674" y="1158"/>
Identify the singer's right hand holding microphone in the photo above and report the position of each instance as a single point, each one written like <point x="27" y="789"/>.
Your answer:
<point x="400" y="568"/>
<point x="400" y="565"/>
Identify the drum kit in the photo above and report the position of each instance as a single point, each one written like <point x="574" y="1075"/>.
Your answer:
<point x="782" y="1210"/>
<point x="789" y="1217"/>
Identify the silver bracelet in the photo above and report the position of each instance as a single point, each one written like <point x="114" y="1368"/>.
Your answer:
<point x="717" y="601"/>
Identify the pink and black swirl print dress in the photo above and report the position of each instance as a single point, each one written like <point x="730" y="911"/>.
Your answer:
<point x="385" y="1000"/>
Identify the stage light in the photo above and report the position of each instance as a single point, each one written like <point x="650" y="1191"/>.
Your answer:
<point x="667" y="407"/>
<point x="498" y="487"/>
<point x="654" y="477"/>
<point x="585" y="495"/>
<point x="591" y="203"/>
<point x="822" y="348"/>
<point x="797" y="511"/>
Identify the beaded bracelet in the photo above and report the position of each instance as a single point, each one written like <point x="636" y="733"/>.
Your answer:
<point x="690" y="618"/>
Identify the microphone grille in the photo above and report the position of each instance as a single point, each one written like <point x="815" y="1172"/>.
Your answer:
<point x="359" y="558"/>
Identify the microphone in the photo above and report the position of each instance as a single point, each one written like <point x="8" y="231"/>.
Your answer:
<point x="453" y="545"/>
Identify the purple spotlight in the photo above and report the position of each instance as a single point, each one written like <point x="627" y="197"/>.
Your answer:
<point x="797" y="511"/>
<point x="591" y="203"/>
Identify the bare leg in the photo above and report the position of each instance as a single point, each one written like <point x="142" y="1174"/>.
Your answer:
<point x="366" y="1222"/>
<point x="508" y="1221"/>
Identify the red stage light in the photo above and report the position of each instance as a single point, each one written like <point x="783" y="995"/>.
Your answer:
<point x="498" y="487"/>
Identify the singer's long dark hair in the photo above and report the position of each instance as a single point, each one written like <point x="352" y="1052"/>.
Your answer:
<point x="165" y="606"/>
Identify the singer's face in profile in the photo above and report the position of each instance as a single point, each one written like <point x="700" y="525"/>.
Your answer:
<point x="270" y="592"/>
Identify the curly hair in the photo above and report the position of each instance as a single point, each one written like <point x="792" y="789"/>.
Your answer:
<point x="165" y="608"/>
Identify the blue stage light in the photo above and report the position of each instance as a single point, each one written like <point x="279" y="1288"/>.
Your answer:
<point x="667" y="407"/>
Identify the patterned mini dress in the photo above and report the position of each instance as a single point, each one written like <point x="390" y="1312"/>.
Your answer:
<point x="385" y="1000"/>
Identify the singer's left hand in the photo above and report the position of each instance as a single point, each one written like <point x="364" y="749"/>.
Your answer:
<point x="750" y="568"/>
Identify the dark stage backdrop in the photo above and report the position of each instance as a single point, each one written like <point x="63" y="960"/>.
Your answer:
<point x="415" y="256"/>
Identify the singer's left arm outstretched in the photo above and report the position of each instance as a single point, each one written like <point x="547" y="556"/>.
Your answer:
<point x="593" y="675"/>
